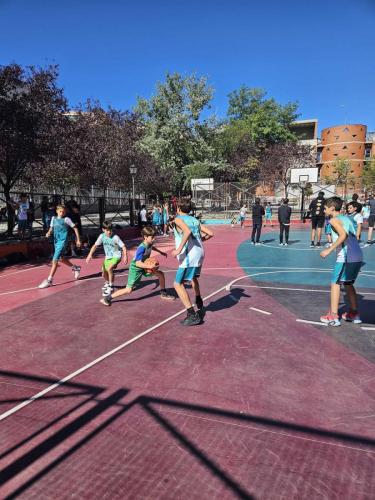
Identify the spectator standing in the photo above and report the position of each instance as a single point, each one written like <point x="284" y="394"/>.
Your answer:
<point x="284" y="213"/>
<point x="257" y="216"/>
<point x="317" y="219"/>
<point x="143" y="216"/>
<point x="268" y="214"/>
<point x="371" y="219"/>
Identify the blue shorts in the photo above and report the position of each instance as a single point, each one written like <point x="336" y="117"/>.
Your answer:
<point x="187" y="274"/>
<point x="345" y="272"/>
<point x="328" y="229"/>
<point x="241" y="218"/>
<point x="268" y="216"/>
<point x="60" y="249"/>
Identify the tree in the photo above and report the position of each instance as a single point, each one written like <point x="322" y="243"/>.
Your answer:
<point x="31" y="124"/>
<point x="368" y="176"/>
<point x="277" y="160"/>
<point x="175" y="135"/>
<point x="342" y="176"/>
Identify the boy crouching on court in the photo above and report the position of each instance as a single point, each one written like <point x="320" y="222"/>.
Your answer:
<point x="348" y="263"/>
<point x="190" y="254"/>
<point x="138" y="268"/>
<point x="113" y="248"/>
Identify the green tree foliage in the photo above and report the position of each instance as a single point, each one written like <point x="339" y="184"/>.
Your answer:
<point x="175" y="135"/>
<point x="368" y="176"/>
<point x="32" y="124"/>
<point x="342" y="176"/>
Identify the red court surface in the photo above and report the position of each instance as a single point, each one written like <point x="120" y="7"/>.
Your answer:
<point x="124" y="402"/>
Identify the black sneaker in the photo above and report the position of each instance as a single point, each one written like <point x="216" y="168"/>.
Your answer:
<point x="318" y="244"/>
<point x="107" y="300"/>
<point x="192" y="320"/>
<point x="312" y="245"/>
<point x="200" y="308"/>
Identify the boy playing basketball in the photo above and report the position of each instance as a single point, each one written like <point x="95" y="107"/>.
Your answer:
<point x="60" y="228"/>
<point x="113" y="248"/>
<point x="348" y="262"/>
<point x="190" y="254"/>
<point x="138" y="268"/>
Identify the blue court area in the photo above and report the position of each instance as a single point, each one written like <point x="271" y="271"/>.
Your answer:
<point x="297" y="263"/>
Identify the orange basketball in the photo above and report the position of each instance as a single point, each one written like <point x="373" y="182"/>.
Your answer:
<point x="152" y="262"/>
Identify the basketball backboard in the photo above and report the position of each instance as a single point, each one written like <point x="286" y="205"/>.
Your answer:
<point x="303" y="175"/>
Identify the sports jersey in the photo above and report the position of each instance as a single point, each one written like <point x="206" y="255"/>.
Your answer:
<point x="192" y="254"/>
<point x="349" y="251"/>
<point x="357" y="219"/>
<point x="243" y="212"/>
<point x="112" y="245"/>
<point x="60" y="226"/>
<point x="24" y="206"/>
<point x="143" y="252"/>
<point x="156" y="218"/>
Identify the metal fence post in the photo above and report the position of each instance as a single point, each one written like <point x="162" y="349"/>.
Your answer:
<point x="101" y="210"/>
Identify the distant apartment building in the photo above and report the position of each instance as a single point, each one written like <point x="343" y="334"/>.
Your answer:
<point x="351" y="142"/>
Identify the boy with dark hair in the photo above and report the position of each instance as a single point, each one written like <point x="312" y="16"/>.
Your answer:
<point x="257" y="213"/>
<point x="190" y="254"/>
<point x="60" y="228"/>
<point x="284" y="213"/>
<point x="317" y="218"/>
<point x="138" y="268"/>
<point x="113" y="248"/>
<point x="354" y="209"/>
<point x="348" y="263"/>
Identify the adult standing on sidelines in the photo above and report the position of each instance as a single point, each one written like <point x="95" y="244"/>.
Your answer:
<point x="317" y="218"/>
<point x="257" y="214"/>
<point x="371" y="219"/>
<point x="284" y="213"/>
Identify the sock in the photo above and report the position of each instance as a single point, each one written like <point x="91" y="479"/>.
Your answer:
<point x="49" y="278"/>
<point x="190" y="311"/>
<point x="199" y="301"/>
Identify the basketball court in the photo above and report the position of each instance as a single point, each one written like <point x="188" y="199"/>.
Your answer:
<point x="261" y="401"/>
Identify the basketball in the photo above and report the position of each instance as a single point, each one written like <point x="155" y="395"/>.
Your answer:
<point x="152" y="262"/>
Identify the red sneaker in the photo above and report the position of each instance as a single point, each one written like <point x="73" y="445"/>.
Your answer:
<point x="330" y="319"/>
<point x="352" y="316"/>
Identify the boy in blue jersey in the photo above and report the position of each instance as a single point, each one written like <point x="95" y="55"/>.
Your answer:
<point x="189" y="236"/>
<point x="60" y="228"/>
<point x="348" y="262"/>
<point x="113" y="248"/>
<point x="138" y="269"/>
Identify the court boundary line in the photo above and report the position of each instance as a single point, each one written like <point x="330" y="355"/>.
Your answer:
<point x="299" y="289"/>
<point x="96" y="361"/>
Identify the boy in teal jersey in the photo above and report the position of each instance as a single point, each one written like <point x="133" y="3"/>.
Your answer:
<point x="60" y="228"/>
<point x="190" y="254"/>
<point x="348" y="262"/>
<point x="113" y="248"/>
<point x="138" y="269"/>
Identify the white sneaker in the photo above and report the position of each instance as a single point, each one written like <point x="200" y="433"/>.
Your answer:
<point x="285" y="244"/>
<point x="76" y="270"/>
<point x="45" y="283"/>
<point x="105" y="286"/>
<point x="281" y="244"/>
<point x="108" y="291"/>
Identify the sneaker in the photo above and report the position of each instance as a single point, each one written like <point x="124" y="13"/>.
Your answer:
<point x="285" y="244"/>
<point x="318" y="244"/>
<point x="105" y="286"/>
<point x="76" y="270"/>
<point x="330" y="319"/>
<point x="312" y="245"/>
<point x="252" y="243"/>
<point x="192" y="320"/>
<point x="166" y="296"/>
<point x="351" y="316"/>
<point x="106" y="301"/>
<point x="45" y="283"/>
<point x="281" y="244"/>
<point x="108" y="290"/>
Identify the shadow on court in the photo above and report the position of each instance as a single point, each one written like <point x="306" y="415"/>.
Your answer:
<point x="186" y="433"/>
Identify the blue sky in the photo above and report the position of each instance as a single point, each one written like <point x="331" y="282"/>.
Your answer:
<point x="319" y="53"/>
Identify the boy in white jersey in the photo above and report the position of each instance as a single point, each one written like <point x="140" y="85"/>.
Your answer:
<point x="189" y="235"/>
<point x="348" y="263"/>
<point x="113" y="248"/>
<point x="354" y="209"/>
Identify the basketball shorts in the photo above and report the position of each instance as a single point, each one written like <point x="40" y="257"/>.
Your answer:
<point x="345" y="272"/>
<point x="317" y="222"/>
<point x="113" y="261"/>
<point x="187" y="274"/>
<point x="60" y="249"/>
<point x="371" y="221"/>
<point x="135" y="275"/>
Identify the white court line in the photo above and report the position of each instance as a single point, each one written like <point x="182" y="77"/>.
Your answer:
<point x="311" y="322"/>
<point x="23" y="270"/>
<point x="370" y="328"/>
<point x="300" y="289"/>
<point x="278" y="433"/>
<point x="96" y="361"/>
<point x="259" y="310"/>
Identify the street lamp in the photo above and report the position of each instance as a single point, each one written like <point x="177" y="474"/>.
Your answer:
<point x="133" y="173"/>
